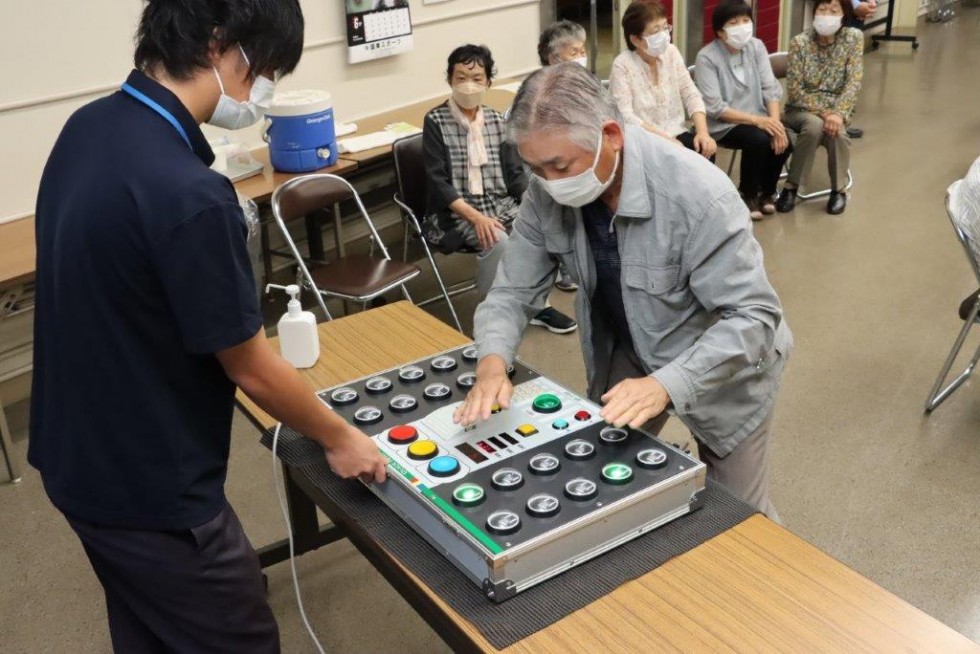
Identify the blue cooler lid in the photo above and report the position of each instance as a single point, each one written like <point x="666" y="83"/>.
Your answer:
<point x="299" y="103"/>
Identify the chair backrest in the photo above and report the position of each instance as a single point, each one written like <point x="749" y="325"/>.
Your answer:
<point x="963" y="207"/>
<point x="304" y="195"/>
<point x="780" y="64"/>
<point x="410" y="174"/>
<point x="308" y="193"/>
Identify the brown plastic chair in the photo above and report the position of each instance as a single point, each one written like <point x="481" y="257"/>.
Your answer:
<point x="779" y="61"/>
<point x="356" y="277"/>
<point x="411" y="199"/>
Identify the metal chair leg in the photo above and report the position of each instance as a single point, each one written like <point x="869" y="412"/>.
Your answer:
<point x="825" y="192"/>
<point x="731" y="162"/>
<point x="442" y="285"/>
<point x="6" y="444"/>
<point x="937" y="396"/>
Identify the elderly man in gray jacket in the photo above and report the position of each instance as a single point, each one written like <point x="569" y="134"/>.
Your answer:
<point x="675" y="310"/>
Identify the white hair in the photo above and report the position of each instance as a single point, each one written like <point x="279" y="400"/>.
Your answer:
<point x="557" y="36"/>
<point x="563" y="97"/>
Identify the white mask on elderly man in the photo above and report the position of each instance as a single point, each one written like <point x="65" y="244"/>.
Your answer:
<point x="738" y="36"/>
<point x="232" y="114"/>
<point x="657" y="43"/>
<point x="469" y="95"/>
<point x="826" y="25"/>
<point x="581" y="189"/>
<point x="581" y="61"/>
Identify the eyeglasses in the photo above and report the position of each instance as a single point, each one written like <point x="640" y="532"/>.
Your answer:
<point x="663" y="28"/>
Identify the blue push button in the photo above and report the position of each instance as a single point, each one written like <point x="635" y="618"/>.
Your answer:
<point x="560" y="424"/>
<point x="443" y="466"/>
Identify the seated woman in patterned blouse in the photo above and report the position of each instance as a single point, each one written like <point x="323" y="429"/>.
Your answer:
<point x="823" y="81"/>
<point x="651" y="84"/>
<point x="475" y="177"/>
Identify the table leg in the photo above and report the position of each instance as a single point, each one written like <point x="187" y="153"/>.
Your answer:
<point x="266" y="252"/>
<point x="338" y="236"/>
<point x="307" y="534"/>
<point x="338" y="231"/>
<point x="314" y="236"/>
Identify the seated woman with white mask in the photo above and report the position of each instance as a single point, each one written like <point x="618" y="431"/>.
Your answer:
<point x="822" y="84"/>
<point x="651" y="84"/>
<point x="563" y="41"/>
<point x="475" y="177"/>
<point x="741" y="96"/>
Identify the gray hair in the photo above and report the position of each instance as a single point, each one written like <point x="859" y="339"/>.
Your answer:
<point x="562" y="97"/>
<point x="556" y="36"/>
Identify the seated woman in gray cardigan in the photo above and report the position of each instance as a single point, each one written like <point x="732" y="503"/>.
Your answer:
<point x="741" y="96"/>
<point x="475" y="178"/>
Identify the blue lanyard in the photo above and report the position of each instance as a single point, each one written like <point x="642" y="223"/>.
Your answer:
<point x="155" y="106"/>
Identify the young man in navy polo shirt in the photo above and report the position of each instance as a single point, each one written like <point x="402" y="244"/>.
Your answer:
<point x="147" y="320"/>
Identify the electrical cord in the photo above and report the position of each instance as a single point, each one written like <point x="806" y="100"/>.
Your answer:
<point x="289" y="530"/>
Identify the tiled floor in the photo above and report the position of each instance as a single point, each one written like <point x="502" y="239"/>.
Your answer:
<point x="858" y="469"/>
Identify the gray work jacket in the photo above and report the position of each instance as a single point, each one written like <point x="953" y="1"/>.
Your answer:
<point x="703" y="317"/>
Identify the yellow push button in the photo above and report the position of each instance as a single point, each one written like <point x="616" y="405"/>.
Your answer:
<point x="527" y="430"/>
<point x="422" y="450"/>
<point x="495" y="408"/>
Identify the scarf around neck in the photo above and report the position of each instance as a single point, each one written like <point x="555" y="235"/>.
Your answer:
<point x="476" y="149"/>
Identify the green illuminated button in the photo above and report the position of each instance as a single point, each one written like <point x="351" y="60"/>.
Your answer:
<point x="546" y="403"/>
<point x="468" y="494"/>
<point x="617" y="473"/>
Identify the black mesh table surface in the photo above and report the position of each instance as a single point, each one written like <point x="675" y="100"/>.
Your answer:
<point x="535" y="608"/>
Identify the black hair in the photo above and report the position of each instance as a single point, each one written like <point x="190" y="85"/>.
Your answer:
<point x="845" y="6"/>
<point x="178" y="34"/>
<point x="470" y="54"/>
<point x="728" y="10"/>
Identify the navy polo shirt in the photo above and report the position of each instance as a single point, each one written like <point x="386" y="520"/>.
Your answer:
<point x="142" y="275"/>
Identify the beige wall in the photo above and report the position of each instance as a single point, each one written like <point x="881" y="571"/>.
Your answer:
<point x="77" y="51"/>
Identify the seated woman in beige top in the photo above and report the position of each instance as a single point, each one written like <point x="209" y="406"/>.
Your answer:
<point x="651" y="84"/>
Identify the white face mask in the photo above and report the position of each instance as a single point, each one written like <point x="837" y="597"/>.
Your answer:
<point x="738" y="36"/>
<point x="469" y="95"/>
<point x="232" y="114"/>
<point x="657" y="43"/>
<point x="826" y="25"/>
<point x="581" y="61"/>
<point x="581" y="189"/>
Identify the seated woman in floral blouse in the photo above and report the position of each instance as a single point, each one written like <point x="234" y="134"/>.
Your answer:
<point x="823" y="81"/>
<point x="651" y="84"/>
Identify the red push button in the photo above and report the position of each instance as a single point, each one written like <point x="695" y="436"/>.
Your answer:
<point x="582" y="415"/>
<point x="402" y="434"/>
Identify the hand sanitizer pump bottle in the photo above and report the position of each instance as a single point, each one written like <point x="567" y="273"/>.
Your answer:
<point x="299" y="340"/>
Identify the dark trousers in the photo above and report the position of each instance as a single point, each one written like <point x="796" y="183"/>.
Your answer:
<point x="687" y="139"/>
<point x="195" y="590"/>
<point x="760" y="167"/>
